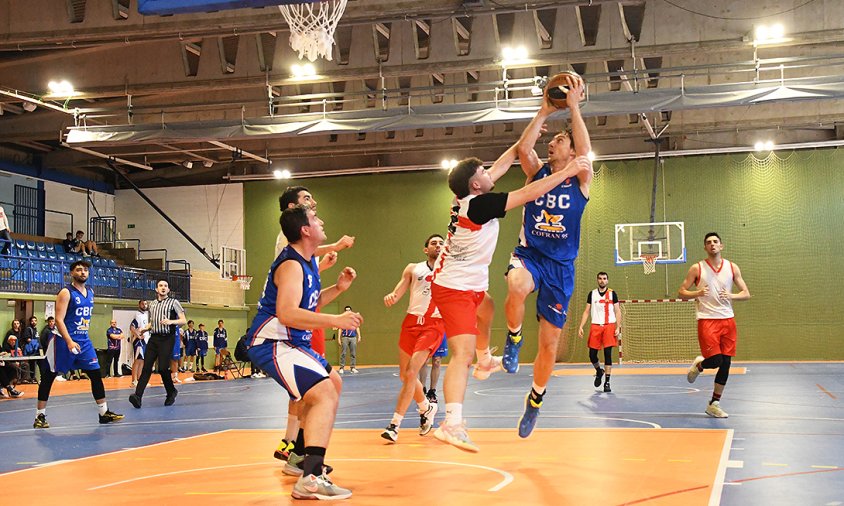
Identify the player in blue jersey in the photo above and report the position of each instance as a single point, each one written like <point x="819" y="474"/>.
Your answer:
<point x="548" y="246"/>
<point x="72" y="348"/>
<point x="280" y="343"/>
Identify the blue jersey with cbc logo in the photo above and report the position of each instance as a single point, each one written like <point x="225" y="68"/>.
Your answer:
<point x="551" y="223"/>
<point x="80" y="307"/>
<point x="266" y="326"/>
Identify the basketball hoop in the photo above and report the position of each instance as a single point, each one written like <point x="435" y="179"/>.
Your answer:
<point x="243" y="281"/>
<point x="312" y="26"/>
<point x="649" y="262"/>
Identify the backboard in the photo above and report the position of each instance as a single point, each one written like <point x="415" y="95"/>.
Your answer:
<point x="666" y="240"/>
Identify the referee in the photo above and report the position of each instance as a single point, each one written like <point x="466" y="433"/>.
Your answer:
<point x="165" y="313"/>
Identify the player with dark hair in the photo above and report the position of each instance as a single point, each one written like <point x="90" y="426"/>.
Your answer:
<point x="716" y="329"/>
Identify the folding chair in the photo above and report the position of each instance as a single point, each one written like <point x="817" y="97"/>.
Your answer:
<point x="228" y="364"/>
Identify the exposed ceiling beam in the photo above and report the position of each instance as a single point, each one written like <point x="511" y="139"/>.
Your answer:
<point x="233" y="149"/>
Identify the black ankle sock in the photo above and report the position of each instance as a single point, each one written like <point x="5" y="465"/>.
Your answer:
<point x="299" y="444"/>
<point x="607" y="380"/>
<point x="314" y="458"/>
<point x="535" y="396"/>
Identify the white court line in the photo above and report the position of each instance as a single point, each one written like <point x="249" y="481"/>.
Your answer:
<point x="718" y="486"/>
<point x="508" y="478"/>
<point x="735" y="464"/>
<point x="80" y="459"/>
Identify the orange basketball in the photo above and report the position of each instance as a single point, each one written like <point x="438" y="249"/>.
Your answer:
<point x="558" y="87"/>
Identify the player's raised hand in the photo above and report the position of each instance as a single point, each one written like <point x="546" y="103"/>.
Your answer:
<point x="390" y="299"/>
<point x="346" y="241"/>
<point x="344" y="280"/>
<point x="328" y="260"/>
<point x="576" y="92"/>
<point x="348" y="320"/>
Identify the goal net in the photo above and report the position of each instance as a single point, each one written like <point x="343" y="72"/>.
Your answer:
<point x="659" y="330"/>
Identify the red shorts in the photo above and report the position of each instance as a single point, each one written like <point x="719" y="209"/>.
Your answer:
<point x="425" y="337"/>
<point x="717" y="337"/>
<point x="459" y="309"/>
<point x="318" y="341"/>
<point x="602" y="336"/>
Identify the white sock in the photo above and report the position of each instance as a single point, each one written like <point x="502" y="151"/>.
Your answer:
<point x="397" y="418"/>
<point x="483" y="355"/>
<point x="103" y="407"/>
<point x="41" y="412"/>
<point x="516" y="331"/>
<point x="453" y="413"/>
<point x="538" y="389"/>
<point x="423" y="407"/>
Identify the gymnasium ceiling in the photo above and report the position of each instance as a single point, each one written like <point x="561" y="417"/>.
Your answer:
<point x="207" y="98"/>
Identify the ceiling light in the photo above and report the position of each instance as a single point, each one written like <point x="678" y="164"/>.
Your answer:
<point x="207" y="164"/>
<point x="513" y="54"/>
<point x="281" y="174"/>
<point x="764" y="34"/>
<point x="448" y="164"/>
<point x="61" y="88"/>
<point x="188" y="164"/>
<point x="764" y="146"/>
<point x="29" y="106"/>
<point x="591" y="156"/>
<point x="303" y="70"/>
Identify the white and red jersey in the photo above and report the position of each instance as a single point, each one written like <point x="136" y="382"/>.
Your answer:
<point x="717" y="278"/>
<point x="464" y="261"/>
<point x="420" y="290"/>
<point x="601" y="309"/>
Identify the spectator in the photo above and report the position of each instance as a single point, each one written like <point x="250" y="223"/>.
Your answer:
<point x="114" y="335"/>
<point x="31" y="345"/>
<point x="19" y="369"/>
<point x="5" y="238"/>
<point x="221" y="344"/>
<point x="69" y="244"/>
<point x="14" y="331"/>
<point x="86" y="248"/>
<point x="7" y="375"/>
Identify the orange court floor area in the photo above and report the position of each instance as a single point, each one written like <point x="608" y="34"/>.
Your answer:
<point x="553" y="467"/>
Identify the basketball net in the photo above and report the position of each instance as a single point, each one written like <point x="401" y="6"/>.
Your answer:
<point x="312" y="26"/>
<point x="649" y="263"/>
<point x="243" y="281"/>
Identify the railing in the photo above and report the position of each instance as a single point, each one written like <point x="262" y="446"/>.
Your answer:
<point x="22" y="274"/>
<point x="151" y="250"/>
<point x="10" y="206"/>
<point x="103" y="229"/>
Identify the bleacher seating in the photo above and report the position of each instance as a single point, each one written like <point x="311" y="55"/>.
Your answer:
<point x="41" y="267"/>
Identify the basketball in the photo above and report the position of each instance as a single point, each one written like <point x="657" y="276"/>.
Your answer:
<point x="558" y="87"/>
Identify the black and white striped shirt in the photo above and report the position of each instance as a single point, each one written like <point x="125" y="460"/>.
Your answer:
<point x="167" y="309"/>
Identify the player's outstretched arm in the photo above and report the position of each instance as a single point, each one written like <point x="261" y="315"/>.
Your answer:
<point x="528" y="158"/>
<point x="401" y="287"/>
<point x="744" y="294"/>
<point x="692" y="276"/>
<point x="289" y="278"/>
<point x="542" y="186"/>
<point x="344" y="242"/>
<point x="582" y="143"/>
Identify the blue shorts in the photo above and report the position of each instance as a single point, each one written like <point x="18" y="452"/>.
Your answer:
<point x="442" y="351"/>
<point x="61" y="360"/>
<point x="219" y="345"/>
<point x="190" y="347"/>
<point x="201" y="349"/>
<point x="177" y="350"/>
<point x="140" y="347"/>
<point x="296" y="368"/>
<point x="553" y="279"/>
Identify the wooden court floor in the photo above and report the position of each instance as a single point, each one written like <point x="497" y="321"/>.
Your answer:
<point x="554" y="467"/>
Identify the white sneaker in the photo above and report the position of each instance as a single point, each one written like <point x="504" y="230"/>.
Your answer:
<point x="354" y="370"/>
<point x="483" y="371"/>
<point x="694" y="372"/>
<point x="319" y="487"/>
<point x="714" y="410"/>
<point x="391" y="433"/>
<point x="426" y="419"/>
<point x="341" y="371"/>
<point x="61" y="378"/>
<point x="176" y="380"/>
<point x="456" y="435"/>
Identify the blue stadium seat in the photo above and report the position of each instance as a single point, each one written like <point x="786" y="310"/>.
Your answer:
<point x="41" y="253"/>
<point x="31" y="253"/>
<point x="40" y="246"/>
<point x="20" y="244"/>
<point x="30" y="245"/>
<point x="112" y="263"/>
<point x="60" y="249"/>
<point x="52" y="255"/>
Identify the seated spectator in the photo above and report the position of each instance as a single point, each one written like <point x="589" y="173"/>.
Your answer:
<point x="7" y="380"/>
<point x="20" y="369"/>
<point x="69" y="244"/>
<point x="16" y="331"/>
<point x="85" y="248"/>
<point x="5" y="238"/>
